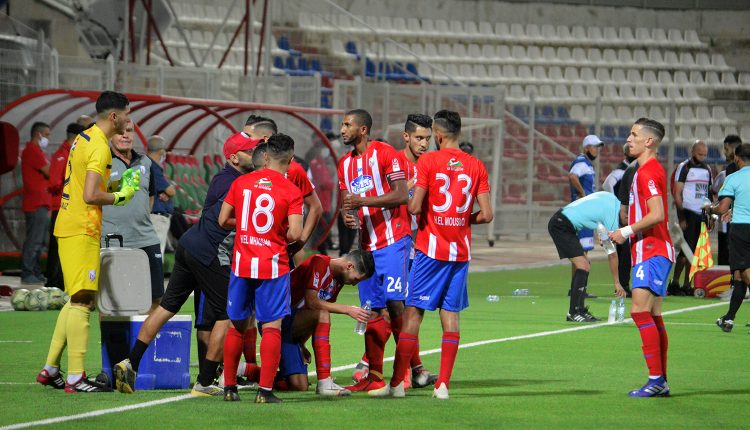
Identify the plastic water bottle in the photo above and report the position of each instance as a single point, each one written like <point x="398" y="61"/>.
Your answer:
<point x="493" y="298"/>
<point x="612" y="317"/>
<point x="609" y="247"/>
<point x="521" y="292"/>
<point x="620" y="310"/>
<point x="362" y="326"/>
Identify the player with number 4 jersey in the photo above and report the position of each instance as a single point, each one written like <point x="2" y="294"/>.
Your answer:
<point x="448" y="183"/>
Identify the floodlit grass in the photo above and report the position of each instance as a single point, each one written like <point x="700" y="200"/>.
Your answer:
<point x="576" y="380"/>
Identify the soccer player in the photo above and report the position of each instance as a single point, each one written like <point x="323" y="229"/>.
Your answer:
<point x="417" y="134"/>
<point x="735" y="194"/>
<point x="265" y="208"/>
<point x="78" y="229"/>
<point x="448" y="183"/>
<point x="586" y="213"/>
<point x="373" y="190"/>
<point x="202" y="261"/>
<point x="315" y="285"/>
<point x="652" y="251"/>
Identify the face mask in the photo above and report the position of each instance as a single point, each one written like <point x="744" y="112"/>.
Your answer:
<point x="162" y="159"/>
<point x="43" y="142"/>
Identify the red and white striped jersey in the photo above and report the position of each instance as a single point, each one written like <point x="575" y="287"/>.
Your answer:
<point x="411" y="174"/>
<point x="263" y="201"/>
<point x="368" y="175"/>
<point x="453" y="179"/>
<point x="649" y="181"/>
<point x="298" y="176"/>
<point x="314" y="274"/>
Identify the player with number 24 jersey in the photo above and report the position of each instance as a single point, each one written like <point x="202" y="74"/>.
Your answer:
<point x="263" y="200"/>
<point x="452" y="180"/>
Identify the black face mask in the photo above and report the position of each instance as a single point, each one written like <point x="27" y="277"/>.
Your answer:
<point x="590" y="157"/>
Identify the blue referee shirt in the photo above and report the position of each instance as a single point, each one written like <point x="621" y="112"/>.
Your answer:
<point x="737" y="186"/>
<point x="600" y="207"/>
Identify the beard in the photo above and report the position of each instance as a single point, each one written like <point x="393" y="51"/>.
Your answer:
<point x="590" y="157"/>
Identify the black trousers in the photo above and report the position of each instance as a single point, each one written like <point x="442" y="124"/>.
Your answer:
<point x="623" y="263"/>
<point x="54" y="270"/>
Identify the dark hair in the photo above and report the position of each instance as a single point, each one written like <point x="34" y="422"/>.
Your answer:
<point x="449" y="121"/>
<point x="733" y="140"/>
<point x="38" y="127"/>
<point x="657" y="129"/>
<point x="109" y="100"/>
<point x="258" y="153"/>
<point x="743" y="152"/>
<point x="262" y="122"/>
<point x="467" y="147"/>
<point x="279" y="145"/>
<point x="74" y="129"/>
<point x="415" y="120"/>
<point x="363" y="117"/>
<point x="363" y="262"/>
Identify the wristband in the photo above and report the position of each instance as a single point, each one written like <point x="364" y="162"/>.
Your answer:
<point x="626" y="231"/>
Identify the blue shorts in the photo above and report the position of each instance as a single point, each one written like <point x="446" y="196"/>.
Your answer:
<point x="652" y="274"/>
<point x="389" y="282"/>
<point x="586" y="237"/>
<point x="438" y="284"/>
<point x="268" y="297"/>
<point x="292" y="362"/>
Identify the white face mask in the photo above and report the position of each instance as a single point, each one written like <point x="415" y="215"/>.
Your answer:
<point x="43" y="142"/>
<point x="162" y="159"/>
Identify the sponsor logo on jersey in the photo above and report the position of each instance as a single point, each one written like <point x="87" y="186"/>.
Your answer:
<point x="652" y="187"/>
<point x="362" y="184"/>
<point x="395" y="165"/>
<point x="316" y="280"/>
<point x="264" y="183"/>
<point x="324" y="295"/>
<point x="455" y="165"/>
<point x="92" y="275"/>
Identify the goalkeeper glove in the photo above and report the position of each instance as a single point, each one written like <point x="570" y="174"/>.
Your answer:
<point x="129" y="184"/>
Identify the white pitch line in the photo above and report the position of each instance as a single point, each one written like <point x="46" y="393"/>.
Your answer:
<point x="15" y="341"/>
<point x="339" y="368"/>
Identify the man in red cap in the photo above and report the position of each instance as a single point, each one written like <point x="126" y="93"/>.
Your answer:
<point x="202" y="265"/>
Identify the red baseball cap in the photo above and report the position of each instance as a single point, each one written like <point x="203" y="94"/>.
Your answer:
<point x="239" y="142"/>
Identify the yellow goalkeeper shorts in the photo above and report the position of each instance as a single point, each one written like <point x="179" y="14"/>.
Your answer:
<point x="79" y="258"/>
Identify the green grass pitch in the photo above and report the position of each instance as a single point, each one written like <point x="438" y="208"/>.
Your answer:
<point x="575" y="379"/>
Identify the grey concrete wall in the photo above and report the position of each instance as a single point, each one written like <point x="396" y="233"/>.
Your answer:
<point x="58" y="28"/>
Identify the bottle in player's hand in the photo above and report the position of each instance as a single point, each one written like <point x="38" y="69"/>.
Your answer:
<point x="609" y="247"/>
<point x="362" y="326"/>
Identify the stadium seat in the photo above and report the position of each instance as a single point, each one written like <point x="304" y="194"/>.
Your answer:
<point x="626" y="36"/>
<point x="502" y="31"/>
<point x="643" y="36"/>
<point x="701" y="132"/>
<point x="728" y="80"/>
<point x="563" y="35"/>
<point x="594" y="35"/>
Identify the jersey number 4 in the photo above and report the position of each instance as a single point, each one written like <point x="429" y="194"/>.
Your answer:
<point x="445" y="191"/>
<point x="264" y="205"/>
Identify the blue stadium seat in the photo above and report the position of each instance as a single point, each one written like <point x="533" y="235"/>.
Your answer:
<point x="283" y="43"/>
<point x="608" y="134"/>
<point x="351" y="48"/>
<point x="326" y="124"/>
<point x="623" y="132"/>
<point x="521" y="113"/>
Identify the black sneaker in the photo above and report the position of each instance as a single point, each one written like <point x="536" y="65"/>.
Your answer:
<point x="244" y="384"/>
<point x="84" y="385"/>
<point x="230" y="394"/>
<point x="575" y="317"/>
<point x="588" y="315"/>
<point x="266" y="396"/>
<point x="687" y="290"/>
<point x="56" y="381"/>
<point x="725" y="324"/>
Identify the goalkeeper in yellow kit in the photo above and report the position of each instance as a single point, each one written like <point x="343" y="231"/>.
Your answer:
<point x="78" y="231"/>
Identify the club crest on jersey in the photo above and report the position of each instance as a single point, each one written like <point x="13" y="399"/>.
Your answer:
<point x="324" y="295"/>
<point x="396" y="166"/>
<point x="316" y="280"/>
<point x="455" y="165"/>
<point x="652" y="187"/>
<point x="362" y="184"/>
<point x="264" y="184"/>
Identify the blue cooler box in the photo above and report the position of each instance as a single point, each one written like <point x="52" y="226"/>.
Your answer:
<point x="166" y="363"/>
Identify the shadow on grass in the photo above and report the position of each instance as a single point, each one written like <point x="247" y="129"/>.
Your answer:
<point x="727" y="392"/>
<point x="489" y="383"/>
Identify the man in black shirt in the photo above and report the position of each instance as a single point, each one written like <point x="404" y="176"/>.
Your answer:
<point x="623" y="250"/>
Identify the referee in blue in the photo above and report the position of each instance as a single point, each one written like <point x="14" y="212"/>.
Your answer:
<point x="735" y="193"/>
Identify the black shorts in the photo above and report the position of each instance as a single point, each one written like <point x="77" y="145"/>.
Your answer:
<point x="739" y="246"/>
<point x="156" y="264"/>
<point x="209" y="283"/>
<point x="565" y="236"/>
<point x="693" y="229"/>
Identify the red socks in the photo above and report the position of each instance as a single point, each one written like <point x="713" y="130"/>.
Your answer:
<point x="651" y="342"/>
<point x="322" y="349"/>
<point x="405" y="349"/>
<point x="376" y="335"/>
<point x="396" y="324"/>
<point x="232" y="352"/>
<point x="252" y="372"/>
<point x="270" y="356"/>
<point x="248" y="349"/>
<point x="663" y="343"/>
<point x="448" y="357"/>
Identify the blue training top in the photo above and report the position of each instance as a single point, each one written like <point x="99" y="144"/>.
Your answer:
<point x="737" y="186"/>
<point x="582" y="168"/>
<point x="600" y="207"/>
<point x="162" y="184"/>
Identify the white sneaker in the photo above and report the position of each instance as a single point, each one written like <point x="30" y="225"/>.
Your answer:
<point x="388" y="391"/>
<point x="326" y="387"/>
<point x="441" y="392"/>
